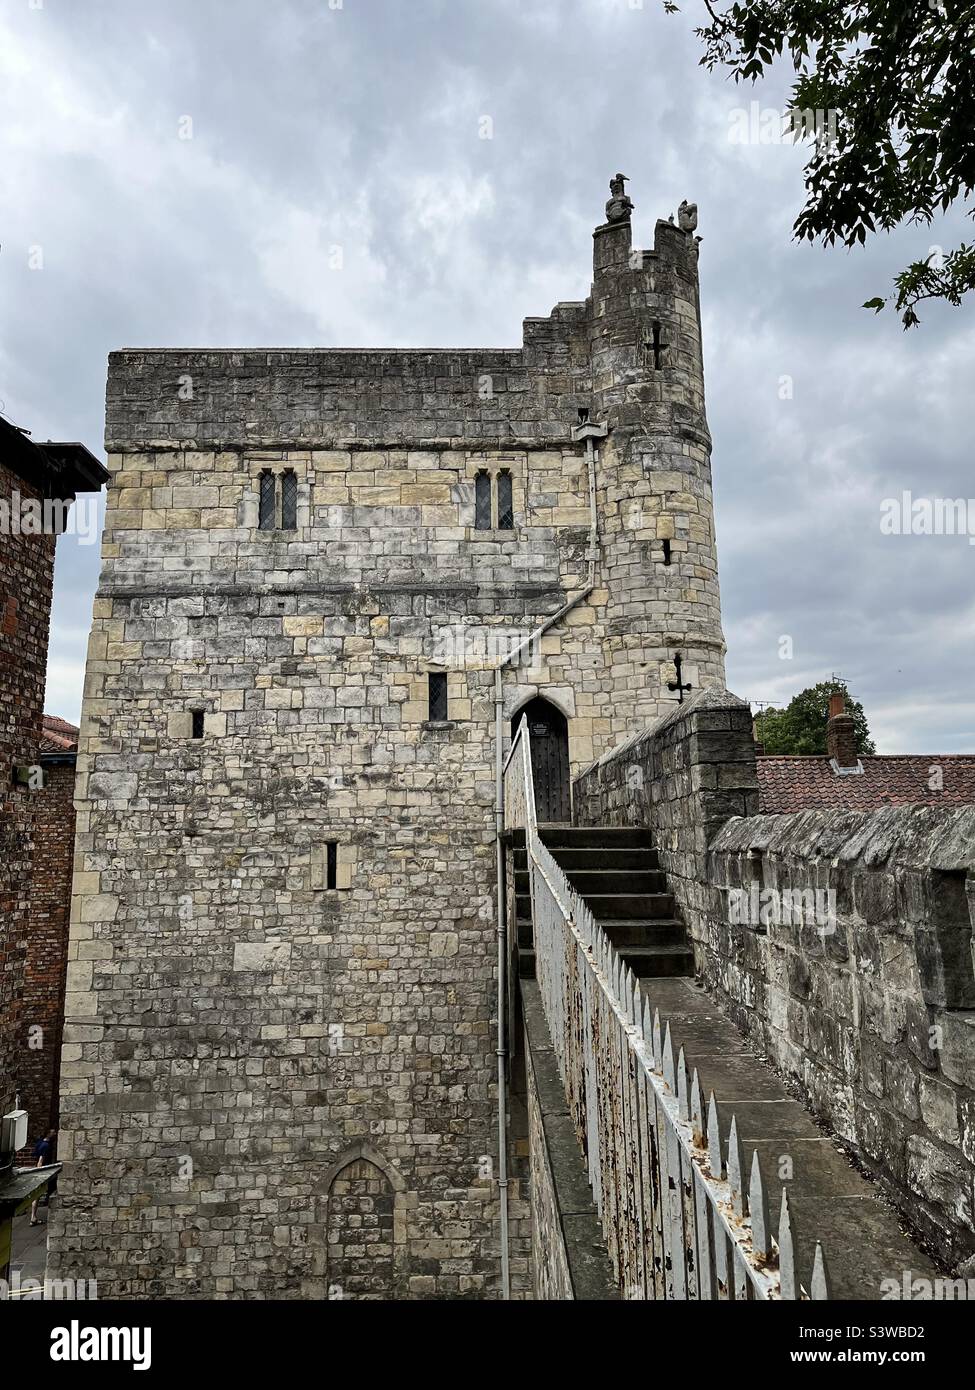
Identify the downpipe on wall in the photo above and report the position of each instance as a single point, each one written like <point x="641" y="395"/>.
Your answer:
<point x="588" y="432"/>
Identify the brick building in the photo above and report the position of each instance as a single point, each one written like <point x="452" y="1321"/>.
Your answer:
<point x="38" y="482"/>
<point x="49" y="910"/>
<point x="842" y="779"/>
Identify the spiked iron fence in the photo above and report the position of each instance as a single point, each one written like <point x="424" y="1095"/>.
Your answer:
<point x="681" y="1218"/>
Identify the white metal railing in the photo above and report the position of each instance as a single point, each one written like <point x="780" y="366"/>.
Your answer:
<point x="681" y="1217"/>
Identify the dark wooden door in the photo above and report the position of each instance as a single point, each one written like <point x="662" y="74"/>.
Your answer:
<point x="550" y="759"/>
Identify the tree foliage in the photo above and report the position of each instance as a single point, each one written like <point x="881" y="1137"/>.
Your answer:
<point x="801" y="726"/>
<point x="896" y="79"/>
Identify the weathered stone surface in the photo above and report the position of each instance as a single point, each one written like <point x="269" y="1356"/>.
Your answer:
<point x="864" y="996"/>
<point x="253" y="1072"/>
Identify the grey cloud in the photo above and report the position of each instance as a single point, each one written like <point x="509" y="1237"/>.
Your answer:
<point x="359" y="126"/>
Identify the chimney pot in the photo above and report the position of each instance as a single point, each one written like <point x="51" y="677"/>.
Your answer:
<point x="841" y="733"/>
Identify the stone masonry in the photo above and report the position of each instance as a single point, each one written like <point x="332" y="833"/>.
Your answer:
<point x="278" y="1076"/>
<point x="840" y="942"/>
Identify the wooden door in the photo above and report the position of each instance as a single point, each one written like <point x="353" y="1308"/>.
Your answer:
<point x="550" y="759"/>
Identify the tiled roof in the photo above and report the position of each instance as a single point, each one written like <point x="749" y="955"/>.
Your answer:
<point x="58" y="736"/>
<point x="802" y="784"/>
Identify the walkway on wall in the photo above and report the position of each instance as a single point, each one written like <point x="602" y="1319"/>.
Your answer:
<point x="828" y="1198"/>
<point x="710" y="1180"/>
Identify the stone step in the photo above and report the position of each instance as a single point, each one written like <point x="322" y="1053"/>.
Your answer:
<point x="659" y="962"/>
<point x="583" y="860"/>
<point x="593" y="837"/>
<point x="631" y="905"/>
<point x="610" y="906"/>
<point x="604" y="882"/>
<point x="660" y="931"/>
<point x="616" y="871"/>
<point x="601" y="882"/>
<point x="571" y="860"/>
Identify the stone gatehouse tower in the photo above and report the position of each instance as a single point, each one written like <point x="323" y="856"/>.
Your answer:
<point x="279" y="1063"/>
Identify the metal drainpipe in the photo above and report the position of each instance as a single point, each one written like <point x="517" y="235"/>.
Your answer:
<point x="589" y="433"/>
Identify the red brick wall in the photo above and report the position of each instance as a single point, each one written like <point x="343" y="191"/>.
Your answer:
<point x="46" y="962"/>
<point x="26" y="575"/>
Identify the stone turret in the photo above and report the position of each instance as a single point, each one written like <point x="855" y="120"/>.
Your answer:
<point x="654" y="472"/>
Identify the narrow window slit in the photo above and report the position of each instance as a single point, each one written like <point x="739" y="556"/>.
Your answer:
<point x="197" y="723"/>
<point x="289" y="500"/>
<point x="438" y="696"/>
<point x="331" y="864"/>
<point x="506" y="506"/>
<point x="266" y="501"/>
<point x="482" y="502"/>
<point x="666" y="552"/>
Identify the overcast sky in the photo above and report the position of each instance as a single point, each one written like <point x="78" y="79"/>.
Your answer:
<point x="316" y="124"/>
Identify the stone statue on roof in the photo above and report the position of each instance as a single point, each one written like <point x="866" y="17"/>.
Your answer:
<point x="619" y="207"/>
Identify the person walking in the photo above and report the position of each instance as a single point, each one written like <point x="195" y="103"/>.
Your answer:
<point x="44" y="1154"/>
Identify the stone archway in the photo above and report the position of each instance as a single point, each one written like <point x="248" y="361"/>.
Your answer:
<point x="363" y="1226"/>
<point x="549" y="732"/>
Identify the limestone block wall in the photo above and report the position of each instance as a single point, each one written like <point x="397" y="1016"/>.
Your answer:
<point x="656" y="512"/>
<point x="840" y="942"/>
<point x="866" y="993"/>
<point x="233" y="1023"/>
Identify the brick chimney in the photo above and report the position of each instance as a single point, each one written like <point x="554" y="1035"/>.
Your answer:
<point x="840" y="734"/>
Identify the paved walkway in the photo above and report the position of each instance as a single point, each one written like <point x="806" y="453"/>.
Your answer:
<point x="29" y="1252"/>
<point x="830" y="1201"/>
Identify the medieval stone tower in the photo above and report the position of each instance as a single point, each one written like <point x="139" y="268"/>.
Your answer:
<point x="278" y="1074"/>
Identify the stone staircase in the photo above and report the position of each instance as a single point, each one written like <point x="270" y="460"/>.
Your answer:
<point x="618" y="874"/>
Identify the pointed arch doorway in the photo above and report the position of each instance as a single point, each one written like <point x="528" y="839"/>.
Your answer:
<point x="549" y="730"/>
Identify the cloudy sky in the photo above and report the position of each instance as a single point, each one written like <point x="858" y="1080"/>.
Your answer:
<point x="315" y="123"/>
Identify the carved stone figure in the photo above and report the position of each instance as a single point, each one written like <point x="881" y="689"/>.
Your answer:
<point x="687" y="216"/>
<point x="619" y="207"/>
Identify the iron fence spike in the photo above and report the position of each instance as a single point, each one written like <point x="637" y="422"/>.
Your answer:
<point x="683" y="1101"/>
<point x="670" y="1075"/>
<point x="735" y="1166"/>
<point x="697" y="1110"/>
<point x="819" y="1284"/>
<point x="758" y="1209"/>
<point x="714" y="1140"/>
<point x="787" y="1252"/>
